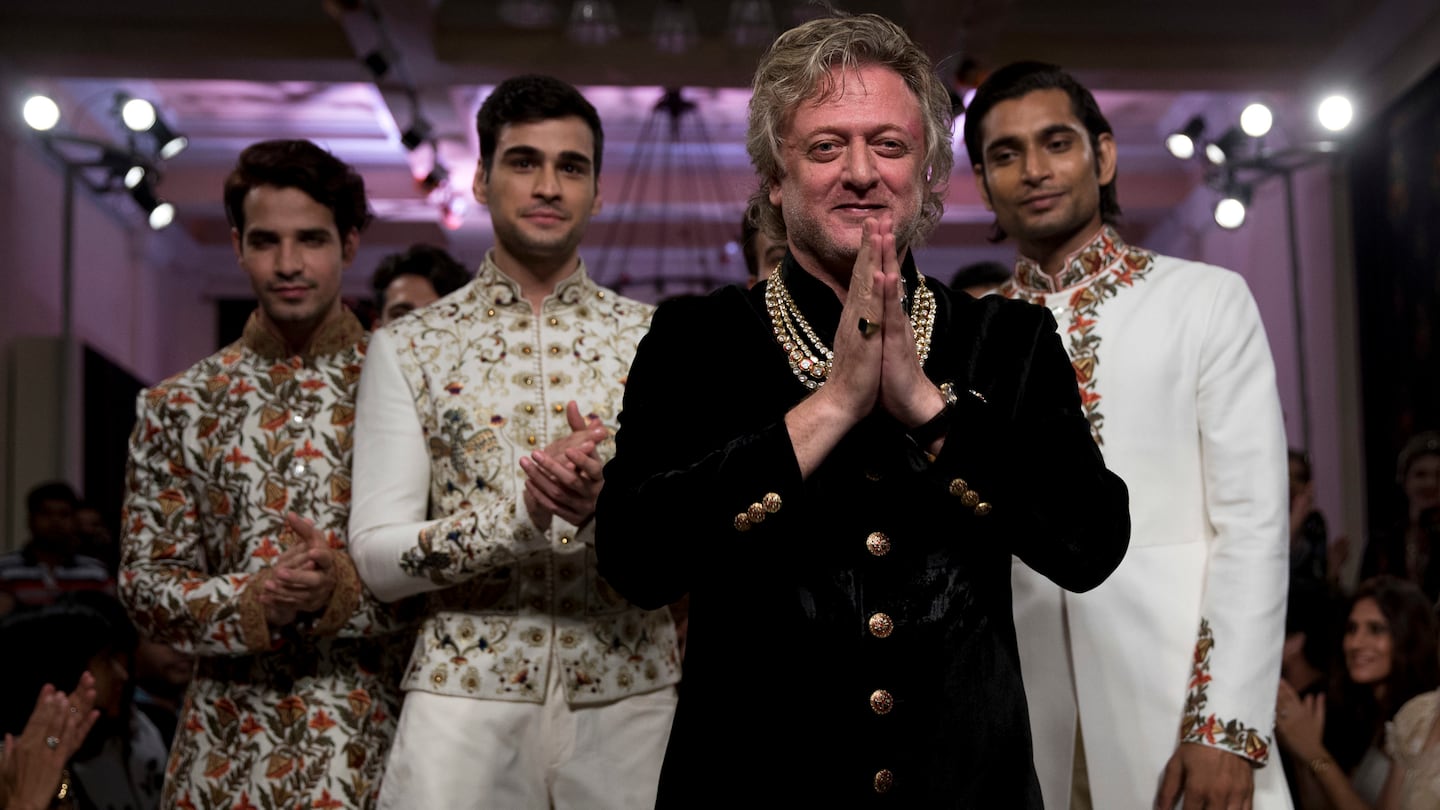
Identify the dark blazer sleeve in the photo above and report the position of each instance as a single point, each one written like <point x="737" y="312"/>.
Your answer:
<point x="1020" y="441"/>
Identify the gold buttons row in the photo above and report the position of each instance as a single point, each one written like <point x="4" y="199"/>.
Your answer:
<point x="881" y="702"/>
<point x="877" y="543"/>
<point x="756" y="512"/>
<point x="969" y="498"/>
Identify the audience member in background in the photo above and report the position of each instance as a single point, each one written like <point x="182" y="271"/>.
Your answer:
<point x="94" y="539"/>
<point x="121" y="762"/>
<point x="762" y="254"/>
<point x="981" y="278"/>
<point x="161" y="674"/>
<point x="1411" y="548"/>
<point x="50" y="563"/>
<point x="1389" y="653"/>
<point x="1312" y="620"/>
<point x="406" y="281"/>
<point x="1413" y="744"/>
<point x="1309" y="564"/>
<point x="34" y="766"/>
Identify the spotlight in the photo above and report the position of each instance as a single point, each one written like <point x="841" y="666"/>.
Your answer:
<point x="168" y="143"/>
<point x="1181" y="142"/>
<point x="160" y="213"/>
<point x="1222" y="150"/>
<point x="418" y="133"/>
<point x="138" y="114"/>
<point x="134" y="176"/>
<point x="452" y="212"/>
<point x="1335" y="113"/>
<point x="1230" y="211"/>
<point x="1256" y="120"/>
<point x="41" y="113"/>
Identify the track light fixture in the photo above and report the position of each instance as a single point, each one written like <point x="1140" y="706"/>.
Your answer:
<point x="160" y="213"/>
<point x="1256" y="120"/>
<point x="41" y="113"/>
<point x="418" y="133"/>
<point x="1181" y="143"/>
<point x="140" y="115"/>
<point x="1225" y="147"/>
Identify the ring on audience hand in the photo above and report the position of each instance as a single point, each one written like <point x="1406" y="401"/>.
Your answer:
<point x="53" y="742"/>
<point x="868" y="327"/>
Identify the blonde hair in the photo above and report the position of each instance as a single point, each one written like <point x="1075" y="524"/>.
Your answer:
<point x="796" y="69"/>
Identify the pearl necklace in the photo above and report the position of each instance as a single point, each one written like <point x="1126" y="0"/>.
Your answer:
<point x="810" y="359"/>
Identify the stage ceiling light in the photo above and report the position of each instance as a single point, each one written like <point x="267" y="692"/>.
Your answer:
<point x="1223" y="149"/>
<point x="1256" y="120"/>
<point x="41" y="113"/>
<point x="1181" y="142"/>
<point x="1231" y="209"/>
<point x="1335" y="113"/>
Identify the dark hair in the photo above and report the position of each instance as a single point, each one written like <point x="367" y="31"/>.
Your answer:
<point x="50" y="491"/>
<point x="303" y="165"/>
<point x="55" y="644"/>
<point x="529" y="99"/>
<point x="1356" y="719"/>
<point x="748" y="229"/>
<point x="1021" y="79"/>
<point x="426" y="261"/>
<point x="981" y="273"/>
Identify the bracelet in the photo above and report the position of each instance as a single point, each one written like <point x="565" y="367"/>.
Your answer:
<point x="1319" y="764"/>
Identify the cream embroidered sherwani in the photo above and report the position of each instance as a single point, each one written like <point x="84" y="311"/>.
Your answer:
<point x="452" y="397"/>
<point x="1182" y="643"/>
<point x="299" y="716"/>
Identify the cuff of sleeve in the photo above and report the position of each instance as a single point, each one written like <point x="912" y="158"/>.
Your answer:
<point x="254" y="629"/>
<point x="343" y="600"/>
<point x="1230" y="736"/>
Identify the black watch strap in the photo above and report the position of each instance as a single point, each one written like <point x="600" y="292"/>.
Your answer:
<point x="923" y="435"/>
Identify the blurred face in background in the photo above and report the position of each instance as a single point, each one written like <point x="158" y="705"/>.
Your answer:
<point x="1422" y="483"/>
<point x="1368" y="645"/>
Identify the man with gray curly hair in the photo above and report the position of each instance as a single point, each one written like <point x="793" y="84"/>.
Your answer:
<point x="847" y="447"/>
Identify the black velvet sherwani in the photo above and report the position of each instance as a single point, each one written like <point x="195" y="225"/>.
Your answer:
<point x="855" y="644"/>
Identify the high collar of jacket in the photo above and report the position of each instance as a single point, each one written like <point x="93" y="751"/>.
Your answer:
<point x="1081" y="267"/>
<point x="495" y="286"/>
<point x="334" y="335"/>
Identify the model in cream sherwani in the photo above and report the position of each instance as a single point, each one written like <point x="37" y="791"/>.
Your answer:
<point x="1170" y="667"/>
<point x="1182" y="643"/>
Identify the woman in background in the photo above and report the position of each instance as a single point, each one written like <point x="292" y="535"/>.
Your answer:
<point x="1390" y="656"/>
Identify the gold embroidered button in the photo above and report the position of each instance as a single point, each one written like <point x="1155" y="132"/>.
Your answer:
<point x="881" y="702"/>
<point x="554" y="379"/>
<point x="600" y="294"/>
<point x="884" y="780"/>
<point x="554" y="349"/>
<point x="526" y="350"/>
<point x="490" y="313"/>
<point x="564" y="539"/>
<point x="531" y="440"/>
<point x="529" y="380"/>
<point x="771" y="502"/>
<point x="881" y="625"/>
<point x="878" y="544"/>
<point x="756" y="513"/>
<point x="523" y="325"/>
<point x="982" y="509"/>
<point x="558" y="408"/>
<point x="554" y="321"/>
<point x="742" y="522"/>
<point x="438" y="677"/>
<point x="958" y="487"/>
<point x="529" y="408"/>
<point x="970" y="498"/>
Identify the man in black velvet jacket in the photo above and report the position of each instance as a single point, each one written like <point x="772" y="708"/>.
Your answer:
<point x="837" y="466"/>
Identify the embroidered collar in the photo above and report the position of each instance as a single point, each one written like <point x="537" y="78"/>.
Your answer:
<point x="336" y="334"/>
<point x="1083" y="266"/>
<point x="494" y="286"/>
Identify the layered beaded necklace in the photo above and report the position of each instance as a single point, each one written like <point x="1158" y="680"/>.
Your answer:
<point x="809" y="357"/>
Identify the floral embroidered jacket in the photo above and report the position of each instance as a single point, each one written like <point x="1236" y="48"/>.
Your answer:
<point x="294" y="717"/>
<point x="452" y="396"/>
<point x="1182" y="643"/>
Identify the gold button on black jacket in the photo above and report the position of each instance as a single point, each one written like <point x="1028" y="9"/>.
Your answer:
<point x="855" y="644"/>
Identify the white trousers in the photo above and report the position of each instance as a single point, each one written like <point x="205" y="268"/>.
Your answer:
<point x="469" y="754"/>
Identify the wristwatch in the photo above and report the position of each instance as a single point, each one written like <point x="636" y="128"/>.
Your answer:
<point x="939" y="424"/>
